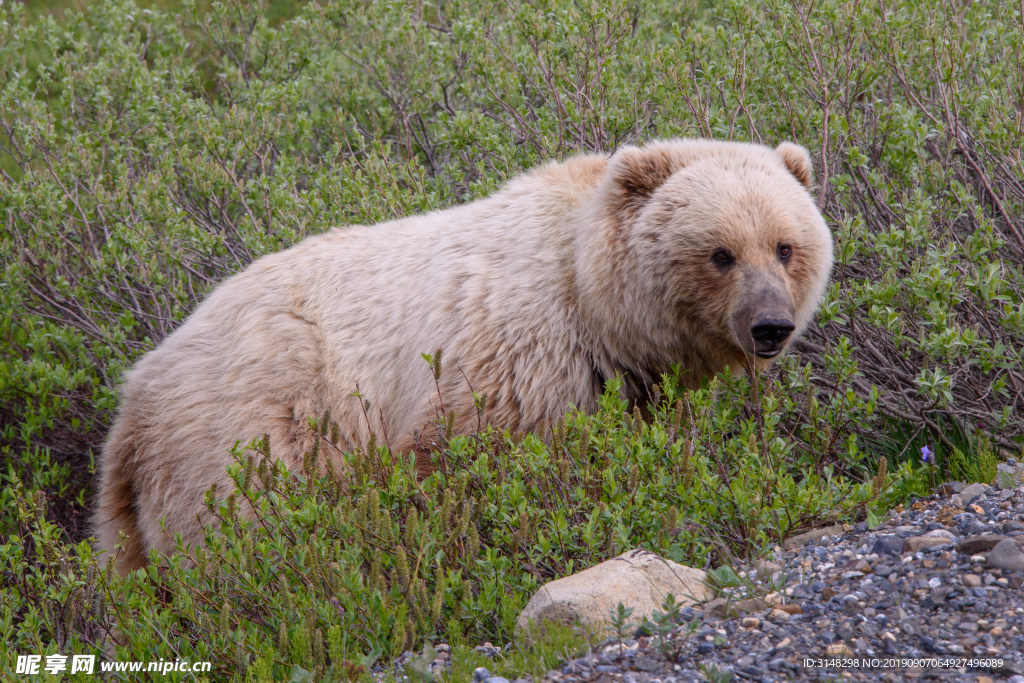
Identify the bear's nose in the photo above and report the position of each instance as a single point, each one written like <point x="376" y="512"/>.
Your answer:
<point x="769" y="333"/>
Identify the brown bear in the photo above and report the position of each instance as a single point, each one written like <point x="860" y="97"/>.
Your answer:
<point x="706" y="254"/>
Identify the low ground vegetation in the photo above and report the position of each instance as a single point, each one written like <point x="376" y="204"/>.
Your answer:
<point x="340" y="569"/>
<point x="146" y="154"/>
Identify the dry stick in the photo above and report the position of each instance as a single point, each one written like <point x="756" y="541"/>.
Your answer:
<point x="210" y="225"/>
<point x="72" y="198"/>
<point x="938" y="432"/>
<point x="369" y="175"/>
<point x="366" y="416"/>
<point x="525" y="129"/>
<point x="471" y="391"/>
<point x="547" y="76"/>
<point x="866" y="343"/>
<point x="826" y="107"/>
<point x="75" y="320"/>
<point x="743" y="97"/>
<point x="384" y="428"/>
<point x="995" y="198"/>
<point x="704" y="120"/>
<point x="515" y="65"/>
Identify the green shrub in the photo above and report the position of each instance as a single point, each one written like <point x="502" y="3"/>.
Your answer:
<point x="981" y="469"/>
<point x="358" y="565"/>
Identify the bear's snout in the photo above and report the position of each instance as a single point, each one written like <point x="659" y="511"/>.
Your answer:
<point x="770" y="334"/>
<point x="766" y="322"/>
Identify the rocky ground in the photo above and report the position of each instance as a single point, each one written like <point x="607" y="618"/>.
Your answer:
<point x="937" y="591"/>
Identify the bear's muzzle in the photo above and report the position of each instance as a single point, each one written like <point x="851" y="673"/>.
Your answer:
<point x="770" y="334"/>
<point x="764" y="324"/>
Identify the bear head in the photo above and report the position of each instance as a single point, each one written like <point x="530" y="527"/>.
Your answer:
<point x="726" y="254"/>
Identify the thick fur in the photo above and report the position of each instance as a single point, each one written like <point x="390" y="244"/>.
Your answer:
<point x="574" y="273"/>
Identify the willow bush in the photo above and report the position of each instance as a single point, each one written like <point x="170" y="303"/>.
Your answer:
<point x="147" y="154"/>
<point x="330" y="570"/>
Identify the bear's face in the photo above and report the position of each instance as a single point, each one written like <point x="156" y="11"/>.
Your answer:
<point x="734" y="241"/>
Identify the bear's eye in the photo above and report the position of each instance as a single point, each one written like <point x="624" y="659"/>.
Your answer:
<point x="785" y="251"/>
<point x="722" y="257"/>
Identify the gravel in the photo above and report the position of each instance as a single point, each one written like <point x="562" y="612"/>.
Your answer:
<point x="940" y="582"/>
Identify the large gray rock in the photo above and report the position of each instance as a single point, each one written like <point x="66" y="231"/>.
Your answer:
<point x="917" y="543"/>
<point x="638" y="578"/>
<point x="1007" y="554"/>
<point x="971" y="492"/>
<point x="814" y="535"/>
<point x="980" y="544"/>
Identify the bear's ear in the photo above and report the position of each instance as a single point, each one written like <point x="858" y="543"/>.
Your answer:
<point x="637" y="173"/>
<point x="798" y="161"/>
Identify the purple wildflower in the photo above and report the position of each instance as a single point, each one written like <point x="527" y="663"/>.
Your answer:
<point x="926" y="454"/>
